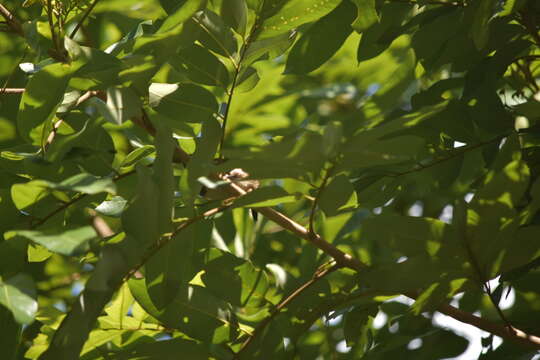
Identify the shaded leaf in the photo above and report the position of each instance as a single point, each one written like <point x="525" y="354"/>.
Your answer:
<point x="18" y="295"/>
<point x="321" y="41"/>
<point x="67" y="242"/>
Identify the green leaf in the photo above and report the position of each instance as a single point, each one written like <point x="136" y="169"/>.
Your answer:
<point x="166" y="270"/>
<point x="12" y="334"/>
<point x="265" y="196"/>
<point x="71" y="242"/>
<point x="201" y="66"/>
<point x="113" y="265"/>
<point x="235" y="14"/>
<point x="27" y="194"/>
<point x="18" y="295"/>
<point x="43" y="94"/>
<point x="85" y="183"/>
<point x="113" y="207"/>
<point x="178" y="13"/>
<point x="140" y="219"/>
<point x="95" y="69"/>
<point x="247" y="80"/>
<point x="166" y="349"/>
<point x="214" y="34"/>
<point x="357" y="326"/>
<point x="182" y="102"/>
<point x="170" y="6"/>
<point x="122" y="104"/>
<point x="408" y="235"/>
<point x="321" y="41"/>
<point x="273" y="46"/>
<point x="137" y="155"/>
<point x="234" y="279"/>
<point x="337" y="195"/>
<point x="295" y="13"/>
<point x="195" y="311"/>
<point x="379" y="36"/>
<point x="479" y="30"/>
<point x="367" y="15"/>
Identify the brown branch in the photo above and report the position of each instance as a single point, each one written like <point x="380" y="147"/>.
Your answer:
<point x="11" y="91"/>
<point x="85" y="15"/>
<point x="345" y="260"/>
<point x="100" y="226"/>
<point x="87" y="95"/>
<point x="318" y="275"/>
<point x="483" y="282"/>
<point x="316" y="200"/>
<point x="11" y="20"/>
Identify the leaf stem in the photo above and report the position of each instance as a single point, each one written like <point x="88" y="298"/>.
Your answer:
<point x="54" y="35"/>
<point x="85" y="15"/>
<point x="11" y="20"/>
<point x="318" y="275"/>
<point x="316" y="200"/>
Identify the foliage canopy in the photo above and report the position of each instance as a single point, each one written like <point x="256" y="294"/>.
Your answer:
<point x="389" y="147"/>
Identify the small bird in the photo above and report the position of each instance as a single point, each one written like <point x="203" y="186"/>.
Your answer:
<point x="233" y="184"/>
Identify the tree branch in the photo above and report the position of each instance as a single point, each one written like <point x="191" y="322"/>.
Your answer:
<point x="318" y="275"/>
<point x="85" y="15"/>
<point x="11" y="91"/>
<point x="11" y="20"/>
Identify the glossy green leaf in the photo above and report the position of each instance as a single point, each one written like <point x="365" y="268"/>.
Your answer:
<point x="295" y="13"/>
<point x="42" y="96"/>
<point x="182" y="102"/>
<point x="166" y="270"/>
<point x="367" y="15"/>
<point x="273" y="46"/>
<point x="18" y="295"/>
<point x="265" y="196"/>
<point x="68" y="242"/>
<point x="201" y="66"/>
<point x="321" y="41"/>
<point x="480" y="27"/>
<point x="235" y="14"/>
<point x="112" y="207"/>
<point x="138" y="155"/>
<point x="179" y="12"/>
<point x="215" y="34"/>
<point x="234" y="279"/>
<point x="379" y="36"/>
<point x="337" y="195"/>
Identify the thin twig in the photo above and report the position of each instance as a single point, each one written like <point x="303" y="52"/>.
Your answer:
<point x="85" y="15"/>
<point x="237" y="68"/>
<point x="11" y="91"/>
<point x="319" y="274"/>
<point x="11" y="20"/>
<point x="226" y="114"/>
<point x="317" y="198"/>
<point x="166" y="240"/>
<point x="54" y="35"/>
<point x="75" y="199"/>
